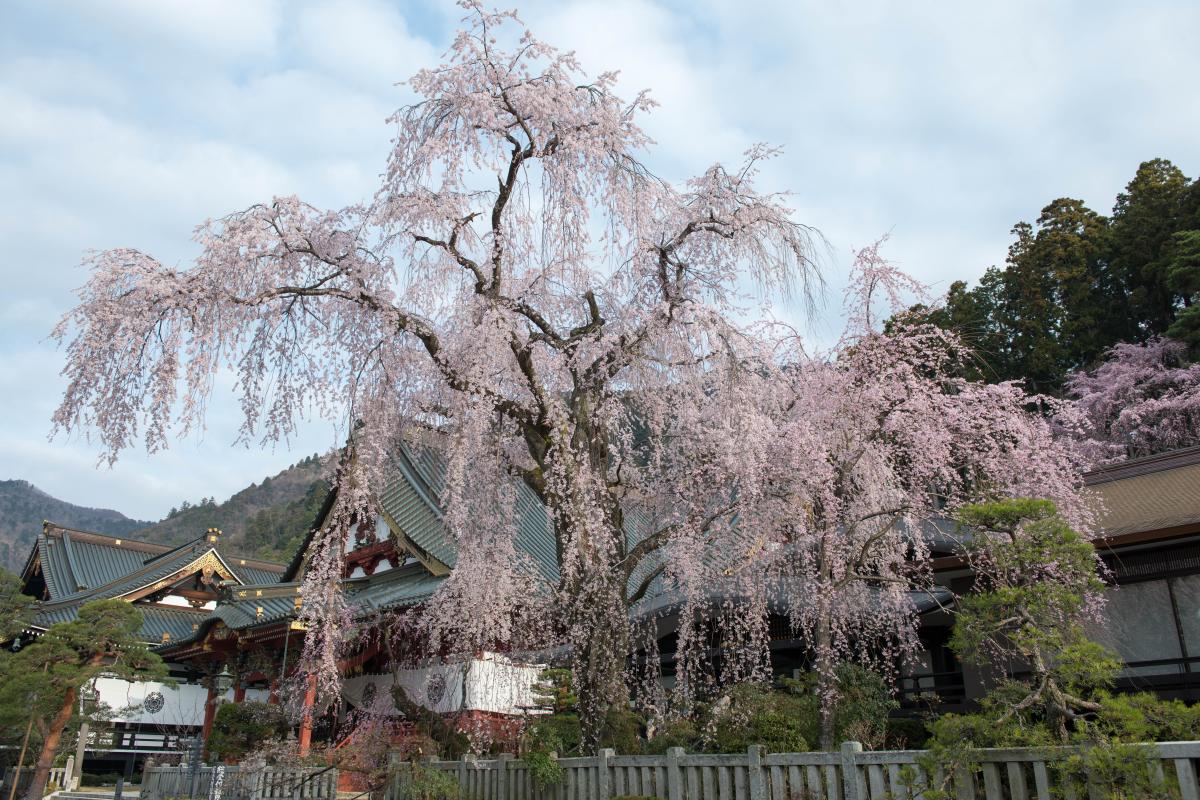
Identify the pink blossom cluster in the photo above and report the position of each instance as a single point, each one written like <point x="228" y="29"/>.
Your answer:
<point x="1143" y="399"/>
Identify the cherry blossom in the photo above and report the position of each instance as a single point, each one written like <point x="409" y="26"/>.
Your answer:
<point x="1143" y="399"/>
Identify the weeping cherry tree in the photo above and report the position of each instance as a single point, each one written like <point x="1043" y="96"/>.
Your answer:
<point x="521" y="289"/>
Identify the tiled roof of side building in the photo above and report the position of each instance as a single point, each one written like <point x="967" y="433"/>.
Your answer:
<point x="81" y="566"/>
<point x="77" y="563"/>
<point x="243" y="613"/>
<point x="73" y="561"/>
<point x="176" y="621"/>
<point x="1157" y="493"/>
<point x="250" y="606"/>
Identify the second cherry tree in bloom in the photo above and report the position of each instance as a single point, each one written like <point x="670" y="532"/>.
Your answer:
<point x="848" y="463"/>
<point x="1142" y="399"/>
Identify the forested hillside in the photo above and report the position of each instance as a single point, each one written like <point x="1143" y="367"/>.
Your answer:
<point x="1077" y="282"/>
<point x="265" y="520"/>
<point x="23" y="506"/>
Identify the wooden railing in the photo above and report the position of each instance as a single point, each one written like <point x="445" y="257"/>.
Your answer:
<point x="238" y="783"/>
<point x="849" y="774"/>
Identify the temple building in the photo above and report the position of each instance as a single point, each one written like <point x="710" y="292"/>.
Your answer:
<point x="176" y="588"/>
<point x="1149" y="541"/>
<point x="212" y="614"/>
<point x="209" y="613"/>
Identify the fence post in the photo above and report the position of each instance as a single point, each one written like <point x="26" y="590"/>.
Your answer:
<point x="256" y="783"/>
<point x="674" y="774"/>
<point x="502" y="775"/>
<point x="757" y="781"/>
<point x="604" y="779"/>
<point x="850" y="780"/>
<point x="462" y="775"/>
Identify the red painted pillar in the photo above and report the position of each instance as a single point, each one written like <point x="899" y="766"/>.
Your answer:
<point x="239" y="693"/>
<point x="310" y="699"/>
<point x="273" y="693"/>
<point x="210" y="711"/>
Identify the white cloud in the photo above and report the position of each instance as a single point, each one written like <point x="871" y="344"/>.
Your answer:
<point x="127" y="123"/>
<point x="205" y="28"/>
<point x="362" y="40"/>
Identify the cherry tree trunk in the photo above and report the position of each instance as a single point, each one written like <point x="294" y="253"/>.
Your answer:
<point x="41" y="772"/>
<point x="826" y="668"/>
<point x="600" y="672"/>
<point x="600" y="653"/>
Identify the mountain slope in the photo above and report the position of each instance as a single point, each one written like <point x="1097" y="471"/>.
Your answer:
<point x="265" y="520"/>
<point x="23" y="507"/>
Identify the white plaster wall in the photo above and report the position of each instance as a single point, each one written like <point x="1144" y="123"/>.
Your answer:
<point x="183" y="704"/>
<point x="499" y="684"/>
<point x="492" y="683"/>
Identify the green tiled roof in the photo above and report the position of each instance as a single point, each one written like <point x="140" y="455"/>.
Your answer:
<point x="253" y="574"/>
<point x="156" y="570"/>
<point x="80" y="566"/>
<point x="75" y="561"/>
<point x="156" y="619"/>
<point x="393" y="588"/>
<point x="243" y="613"/>
<point x="411" y="499"/>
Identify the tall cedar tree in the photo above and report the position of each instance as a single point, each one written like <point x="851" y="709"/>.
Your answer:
<point x="1075" y="283"/>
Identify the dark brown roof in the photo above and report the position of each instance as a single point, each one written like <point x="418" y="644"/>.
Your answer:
<point x="1157" y="493"/>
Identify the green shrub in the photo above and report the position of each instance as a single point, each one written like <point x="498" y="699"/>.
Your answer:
<point x="680" y="732"/>
<point x="559" y="731"/>
<point x="241" y="727"/>
<point x="864" y="704"/>
<point x="782" y="722"/>
<point x="544" y="768"/>
<point x="424" y="783"/>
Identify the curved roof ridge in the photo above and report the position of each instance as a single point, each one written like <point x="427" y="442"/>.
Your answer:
<point x="71" y="565"/>
<point x="51" y="528"/>
<point x="407" y="464"/>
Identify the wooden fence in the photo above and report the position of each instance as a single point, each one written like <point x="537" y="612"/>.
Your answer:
<point x="850" y="774"/>
<point x="238" y="783"/>
<point x="58" y="777"/>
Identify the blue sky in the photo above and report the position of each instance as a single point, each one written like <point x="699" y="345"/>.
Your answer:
<point x="127" y="123"/>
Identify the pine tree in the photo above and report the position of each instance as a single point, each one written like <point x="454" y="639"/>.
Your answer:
<point x="45" y="678"/>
